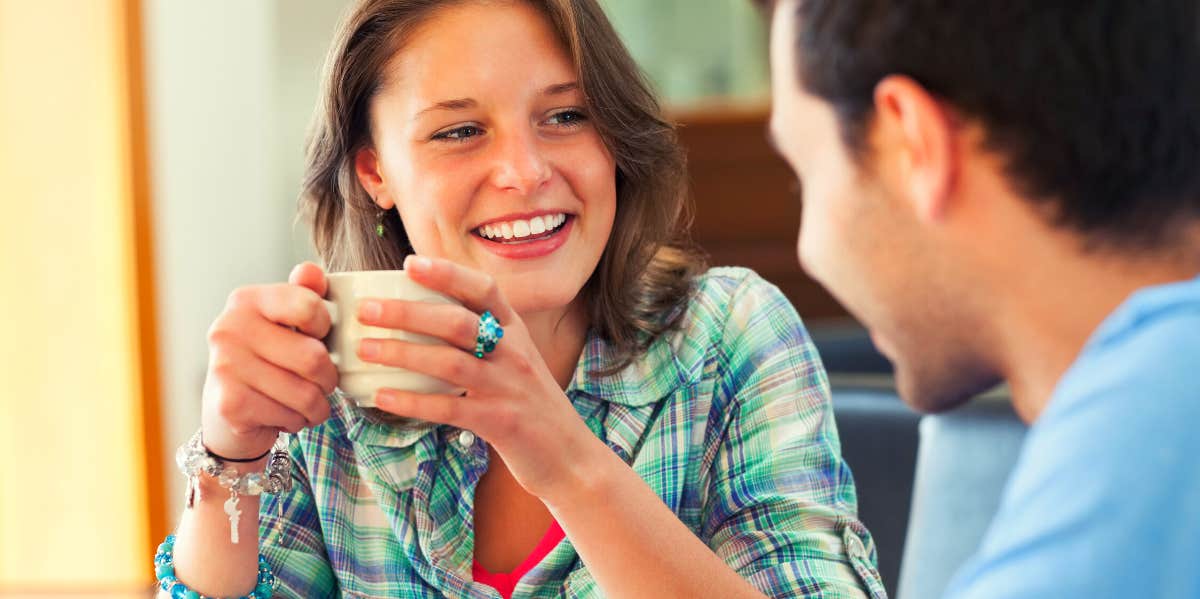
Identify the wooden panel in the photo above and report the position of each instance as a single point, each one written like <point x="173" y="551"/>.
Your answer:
<point x="74" y="514"/>
<point x="146" y="307"/>
<point x="746" y="213"/>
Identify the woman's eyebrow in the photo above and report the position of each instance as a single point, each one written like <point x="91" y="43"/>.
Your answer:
<point x="561" y="88"/>
<point x="466" y="103"/>
<point x="456" y="104"/>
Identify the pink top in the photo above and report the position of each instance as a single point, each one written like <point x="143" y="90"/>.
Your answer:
<point x="506" y="582"/>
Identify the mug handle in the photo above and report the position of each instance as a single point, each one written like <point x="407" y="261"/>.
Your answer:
<point x="332" y="308"/>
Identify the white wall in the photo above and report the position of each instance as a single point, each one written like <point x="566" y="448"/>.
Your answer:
<point x="231" y="88"/>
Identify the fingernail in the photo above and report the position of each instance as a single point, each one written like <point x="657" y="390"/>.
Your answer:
<point x="368" y="348"/>
<point x="417" y="263"/>
<point x="383" y="399"/>
<point x="370" y="310"/>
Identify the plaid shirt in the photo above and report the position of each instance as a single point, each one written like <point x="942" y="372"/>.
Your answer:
<point x="727" y="419"/>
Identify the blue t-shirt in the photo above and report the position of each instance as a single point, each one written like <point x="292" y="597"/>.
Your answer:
<point x="1105" y="498"/>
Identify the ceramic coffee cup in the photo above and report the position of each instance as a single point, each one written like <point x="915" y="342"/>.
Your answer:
<point x="361" y="380"/>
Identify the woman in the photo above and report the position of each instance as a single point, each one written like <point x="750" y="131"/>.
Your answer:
<point x="639" y="430"/>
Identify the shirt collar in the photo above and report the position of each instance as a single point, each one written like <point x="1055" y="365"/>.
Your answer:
<point x="650" y="377"/>
<point x="368" y="426"/>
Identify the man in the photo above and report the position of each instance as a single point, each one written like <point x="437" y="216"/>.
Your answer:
<point x="1009" y="190"/>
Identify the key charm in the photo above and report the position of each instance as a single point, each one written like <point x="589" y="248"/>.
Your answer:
<point x="193" y="491"/>
<point x="231" y="510"/>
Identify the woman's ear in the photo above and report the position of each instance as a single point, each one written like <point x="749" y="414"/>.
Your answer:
<point x="366" y="167"/>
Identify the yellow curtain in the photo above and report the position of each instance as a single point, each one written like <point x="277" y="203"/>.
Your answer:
<point x="77" y="458"/>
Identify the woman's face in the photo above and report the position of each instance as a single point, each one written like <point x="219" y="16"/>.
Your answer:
<point x="482" y="143"/>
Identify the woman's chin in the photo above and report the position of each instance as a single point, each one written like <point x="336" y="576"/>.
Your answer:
<point x="530" y="299"/>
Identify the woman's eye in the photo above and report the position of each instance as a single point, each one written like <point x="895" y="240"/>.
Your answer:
<point x="567" y="118"/>
<point x="459" y="133"/>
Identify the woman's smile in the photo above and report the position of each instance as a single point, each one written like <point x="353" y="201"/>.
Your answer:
<point x="523" y="238"/>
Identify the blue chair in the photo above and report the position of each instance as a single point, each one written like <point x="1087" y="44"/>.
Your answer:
<point x="846" y="347"/>
<point x="963" y="464"/>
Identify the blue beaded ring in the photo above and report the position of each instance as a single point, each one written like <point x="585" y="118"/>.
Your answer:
<point x="490" y="333"/>
<point x="164" y="570"/>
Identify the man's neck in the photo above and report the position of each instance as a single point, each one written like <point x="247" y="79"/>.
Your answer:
<point x="1056" y="302"/>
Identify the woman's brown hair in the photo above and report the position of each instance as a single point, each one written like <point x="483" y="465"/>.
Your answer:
<point x="646" y="271"/>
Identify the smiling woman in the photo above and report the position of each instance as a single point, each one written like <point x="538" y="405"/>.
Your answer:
<point x="631" y="425"/>
<point x="431" y="125"/>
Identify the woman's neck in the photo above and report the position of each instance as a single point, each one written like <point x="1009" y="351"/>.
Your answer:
<point x="559" y="336"/>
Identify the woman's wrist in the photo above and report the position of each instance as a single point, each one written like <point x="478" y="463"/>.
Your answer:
<point x="586" y="479"/>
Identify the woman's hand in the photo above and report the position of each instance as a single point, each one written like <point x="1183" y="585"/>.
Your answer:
<point x="267" y="368"/>
<point x="512" y="399"/>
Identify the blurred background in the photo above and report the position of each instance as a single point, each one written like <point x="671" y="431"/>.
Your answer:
<point x="150" y="159"/>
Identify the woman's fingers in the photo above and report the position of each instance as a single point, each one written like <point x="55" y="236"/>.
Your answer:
<point x="280" y="386"/>
<point x="453" y="324"/>
<point x="447" y="363"/>
<point x="284" y="304"/>
<point x="245" y="410"/>
<point x="309" y="275"/>
<point x="477" y="290"/>
<point x="292" y="351"/>
<point x="453" y="410"/>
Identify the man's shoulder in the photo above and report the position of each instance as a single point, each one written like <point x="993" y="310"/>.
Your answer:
<point x="1145" y="355"/>
<point x="1107" y="472"/>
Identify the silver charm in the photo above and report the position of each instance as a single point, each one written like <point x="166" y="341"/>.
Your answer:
<point x="231" y="510"/>
<point x="192" y="495"/>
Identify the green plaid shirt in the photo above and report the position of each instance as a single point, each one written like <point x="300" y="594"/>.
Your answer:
<point x="728" y="419"/>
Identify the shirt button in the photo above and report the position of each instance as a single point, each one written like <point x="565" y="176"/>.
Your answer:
<point x="855" y="545"/>
<point x="466" y="438"/>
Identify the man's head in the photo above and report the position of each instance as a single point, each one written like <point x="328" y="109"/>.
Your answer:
<point x="936" y="142"/>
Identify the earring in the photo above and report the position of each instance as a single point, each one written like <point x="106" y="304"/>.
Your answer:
<point x="379" y="230"/>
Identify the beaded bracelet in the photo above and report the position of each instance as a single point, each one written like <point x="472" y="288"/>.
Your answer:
<point x="193" y="458"/>
<point x="164" y="570"/>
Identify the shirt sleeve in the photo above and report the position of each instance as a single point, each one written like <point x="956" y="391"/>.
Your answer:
<point x="781" y="507"/>
<point x="291" y="539"/>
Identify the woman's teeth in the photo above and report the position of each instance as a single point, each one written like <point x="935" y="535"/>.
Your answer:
<point x="521" y="229"/>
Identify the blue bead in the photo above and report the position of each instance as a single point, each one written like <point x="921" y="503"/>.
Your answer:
<point x="264" y="590"/>
<point x="170" y="539"/>
<point x="179" y="591"/>
<point x="166" y="582"/>
<point x="192" y="594"/>
<point x="164" y="570"/>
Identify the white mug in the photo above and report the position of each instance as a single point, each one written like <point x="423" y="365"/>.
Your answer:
<point x="361" y="380"/>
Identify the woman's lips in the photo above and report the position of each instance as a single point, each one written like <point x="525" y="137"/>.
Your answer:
<point x="534" y="246"/>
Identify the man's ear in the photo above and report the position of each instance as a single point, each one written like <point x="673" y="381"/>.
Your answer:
<point x="366" y="167"/>
<point x="917" y="132"/>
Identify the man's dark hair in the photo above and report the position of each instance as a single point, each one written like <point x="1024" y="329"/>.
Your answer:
<point x="1095" y="104"/>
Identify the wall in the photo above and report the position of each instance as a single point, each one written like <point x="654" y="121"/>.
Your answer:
<point x="231" y="88"/>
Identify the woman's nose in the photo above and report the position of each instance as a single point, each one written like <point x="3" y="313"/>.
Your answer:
<point x="520" y="165"/>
